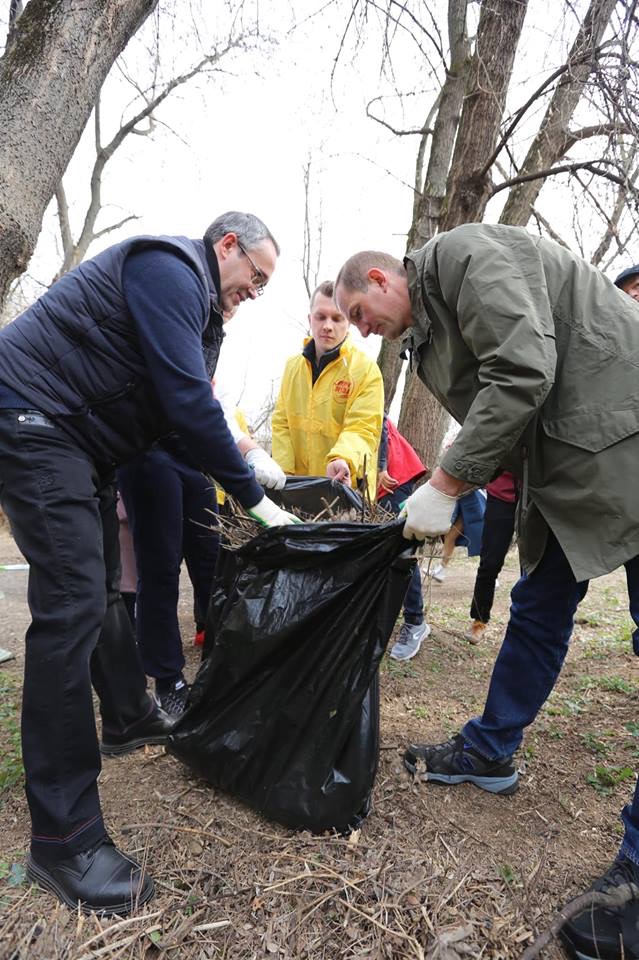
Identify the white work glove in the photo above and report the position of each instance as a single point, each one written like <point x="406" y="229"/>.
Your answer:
<point x="428" y="513"/>
<point x="270" y="515"/>
<point x="267" y="471"/>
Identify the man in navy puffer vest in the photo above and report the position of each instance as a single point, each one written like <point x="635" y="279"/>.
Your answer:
<point x="107" y="361"/>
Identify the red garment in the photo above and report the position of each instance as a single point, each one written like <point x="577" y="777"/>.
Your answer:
<point x="403" y="463"/>
<point x="503" y="487"/>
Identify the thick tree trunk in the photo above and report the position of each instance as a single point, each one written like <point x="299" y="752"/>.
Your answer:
<point x="461" y="191"/>
<point x="50" y="77"/>
<point x="553" y="138"/>
<point x="500" y="26"/>
<point x="423" y="421"/>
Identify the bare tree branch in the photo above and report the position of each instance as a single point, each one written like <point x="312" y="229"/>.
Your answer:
<point x="548" y="144"/>
<point x="75" y="252"/>
<point x="63" y="219"/>
<point x="552" y="233"/>
<point x="421" y="131"/>
<point x="590" y="165"/>
<point x="115" y="226"/>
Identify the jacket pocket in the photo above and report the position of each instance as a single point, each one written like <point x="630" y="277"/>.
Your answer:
<point x="593" y="430"/>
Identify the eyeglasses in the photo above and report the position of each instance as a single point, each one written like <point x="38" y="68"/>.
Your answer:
<point x="259" y="278"/>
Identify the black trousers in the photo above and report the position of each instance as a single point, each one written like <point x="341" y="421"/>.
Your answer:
<point x="497" y="536"/>
<point x="63" y="517"/>
<point x="171" y="507"/>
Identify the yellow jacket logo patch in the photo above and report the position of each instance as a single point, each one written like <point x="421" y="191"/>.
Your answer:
<point x="342" y="389"/>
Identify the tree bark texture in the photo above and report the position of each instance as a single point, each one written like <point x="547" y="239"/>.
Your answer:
<point x="423" y="421"/>
<point x="50" y="77"/>
<point x="553" y="138"/>
<point x="455" y="190"/>
<point x="500" y="26"/>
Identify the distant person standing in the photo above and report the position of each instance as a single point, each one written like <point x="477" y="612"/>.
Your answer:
<point x="328" y="415"/>
<point x="399" y="469"/>
<point x="497" y="536"/>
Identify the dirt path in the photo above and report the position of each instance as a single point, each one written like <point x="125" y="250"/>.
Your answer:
<point x="434" y="869"/>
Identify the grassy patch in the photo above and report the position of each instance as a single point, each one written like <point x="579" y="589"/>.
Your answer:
<point x="11" y="769"/>
<point x="594" y="743"/>
<point x="604" y="779"/>
<point x="397" y="668"/>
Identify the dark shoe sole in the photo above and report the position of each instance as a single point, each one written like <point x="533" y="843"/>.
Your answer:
<point x="503" y="786"/>
<point x="42" y="878"/>
<point x="120" y="749"/>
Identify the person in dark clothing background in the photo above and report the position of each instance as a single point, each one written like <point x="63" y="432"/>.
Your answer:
<point x="497" y="536"/>
<point x="399" y="468"/>
<point x="115" y="355"/>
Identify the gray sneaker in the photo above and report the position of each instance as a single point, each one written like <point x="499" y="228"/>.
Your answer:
<point x="409" y="641"/>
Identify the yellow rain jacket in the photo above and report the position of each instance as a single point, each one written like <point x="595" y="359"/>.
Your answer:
<point x="339" y="416"/>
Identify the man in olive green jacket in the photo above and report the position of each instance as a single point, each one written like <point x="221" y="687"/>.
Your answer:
<point x="536" y="354"/>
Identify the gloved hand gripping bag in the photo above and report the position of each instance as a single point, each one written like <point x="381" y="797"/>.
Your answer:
<point x="284" y="711"/>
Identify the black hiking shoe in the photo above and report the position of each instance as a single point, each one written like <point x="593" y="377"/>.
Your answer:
<point x="173" y="696"/>
<point x="456" y="762"/>
<point x="607" y="933"/>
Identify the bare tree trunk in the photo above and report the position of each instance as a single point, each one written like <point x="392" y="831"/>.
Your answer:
<point x="426" y="422"/>
<point x="459" y="192"/>
<point x="500" y="26"/>
<point x="50" y="77"/>
<point x="553" y="138"/>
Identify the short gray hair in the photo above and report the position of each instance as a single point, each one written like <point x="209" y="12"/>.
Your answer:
<point x="354" y="273"/>
<point x="250" y="230"/>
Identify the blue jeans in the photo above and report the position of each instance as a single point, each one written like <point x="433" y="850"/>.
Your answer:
<point x="414" y="600"/>
<point x="530" y="660"/>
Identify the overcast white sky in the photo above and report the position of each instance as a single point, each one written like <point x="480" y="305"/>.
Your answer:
<point x="240" y="141"/>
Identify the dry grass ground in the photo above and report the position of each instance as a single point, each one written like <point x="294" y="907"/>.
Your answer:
<point x="435" y="872"/>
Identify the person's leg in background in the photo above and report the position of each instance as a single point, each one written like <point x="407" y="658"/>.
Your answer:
<point x="414" y="629"/>
<point x="449" y="543"/>
<point x="497" y="536"/>
<point x="151" y="487"/>
<point x="201" y="539"/>
<point x="131" y="717"/>
<point x="612" y="931"/>
<point x="129" y="575"/>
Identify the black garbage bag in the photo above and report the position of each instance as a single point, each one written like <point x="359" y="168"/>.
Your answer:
<point x="310" y="495"/>
<point x="284" y="712"/>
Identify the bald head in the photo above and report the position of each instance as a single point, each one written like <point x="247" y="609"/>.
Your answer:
<point x="371" y="291"/>
<point x="354" y="273"/>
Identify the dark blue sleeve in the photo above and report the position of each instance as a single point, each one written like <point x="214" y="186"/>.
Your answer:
<point x="170" y="310"/>
<point x="382" y="456"/>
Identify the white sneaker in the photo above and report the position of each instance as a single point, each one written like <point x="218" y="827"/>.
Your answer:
<point x="438" y="574"/>
<point x="409" y="641"/>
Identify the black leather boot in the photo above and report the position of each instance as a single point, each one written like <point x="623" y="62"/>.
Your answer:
<point x="152" y="729"/>
<point x="100" y="879"/>
<point x="131" y="717"/>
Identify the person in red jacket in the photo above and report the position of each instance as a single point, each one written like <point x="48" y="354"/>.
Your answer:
<point x="497" y="536"/>
<point x="399" y="468"/>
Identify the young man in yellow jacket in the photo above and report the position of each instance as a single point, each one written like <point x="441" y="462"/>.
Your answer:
<point x="328" y="416"/>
